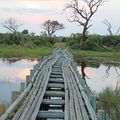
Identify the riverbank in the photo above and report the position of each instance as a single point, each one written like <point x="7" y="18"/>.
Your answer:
<point x="113" y="56"/>
<point x="35" y="52"/>
<point x="24" y="52"/>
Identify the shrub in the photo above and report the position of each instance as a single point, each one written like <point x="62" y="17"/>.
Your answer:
<point x="110" y="102"/>
<point x="92" y="43"/>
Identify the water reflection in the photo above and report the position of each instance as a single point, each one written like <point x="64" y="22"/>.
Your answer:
<point x="12" y="73"/>
<point x="99" y="76"/>
<point x="10" y="60"/>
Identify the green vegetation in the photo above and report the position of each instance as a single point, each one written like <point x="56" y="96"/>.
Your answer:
<point x="25" y="45"/>
<point x="109" y="100"/>
<point x="95" y="42"/>
<point x="26" y="40"/>
<point x="24" y="52"/>
<point x="81" y="53"/>
<point x="61" y="45"/>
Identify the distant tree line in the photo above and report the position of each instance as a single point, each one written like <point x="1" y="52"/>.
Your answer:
<point x="81" y="11"/>
<point x="27" y="39"/>
<point x="94" y="42"/>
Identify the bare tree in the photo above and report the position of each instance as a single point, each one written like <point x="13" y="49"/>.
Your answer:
<point x="52" y="26"/>
<point x="82" y="11"/>
<point x="12" y="25"/>
<point x="109" y="28"/>
<point x="112" y="36"/>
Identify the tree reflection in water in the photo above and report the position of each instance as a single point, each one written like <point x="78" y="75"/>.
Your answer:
<point x="11" y="60"/>
<point x="83" y="66"/>
<point x="117" y="68"/>
<point x="110" y="66"/>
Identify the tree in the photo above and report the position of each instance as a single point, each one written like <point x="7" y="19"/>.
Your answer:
<point x="25" y="32"/>
<point x="82" y="11"/>
<point x="32" y="34"/>
<point x="111" y="41"/>
<point x="12" y="25"/>
<point x="109" y="28"/>
<point x="52" y="26"/>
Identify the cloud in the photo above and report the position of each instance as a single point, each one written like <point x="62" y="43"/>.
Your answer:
<point x="21" y="10"/>
<point x="32" y="13"/>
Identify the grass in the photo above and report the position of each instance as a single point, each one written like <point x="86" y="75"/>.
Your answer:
<point x="61" y="45"/>
<point x="93" y="54"/>
<point x="35" y="52"/>
<point x="18" y="51"/>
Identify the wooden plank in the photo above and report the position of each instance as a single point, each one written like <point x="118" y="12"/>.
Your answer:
<point x="56" y="80"/>
<point x="58" y="67"/>
<point x="31" y="98"/>
<point x="56" y="73"/>
<point x="78" y="107"/>
<point x="55" y="85"/>
<point x="87" y="103"/>
<point x="35" y="110"/>
<point x="56" y="107"/>
<point x="71" y="98"/>
<point x="50" y="114"/>
<point x="12" y="107"/>
<point x="54" y="94"/>
<point x="36" y="103"/>
<point x="82" y="114"/>
<point x="53" y="101"/>
<point x="56" y="76"/>
<point x="67" y="106"/>
<point x="56" y="70"/>
<point x="36" y="86"/>
<point x="19" y="112"/>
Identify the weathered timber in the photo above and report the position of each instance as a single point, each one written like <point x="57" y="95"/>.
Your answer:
<point x="54" y="94"/>
<point x="51" y="114"/>
<point x="58" y="80"/>
<point x="55" y="90"/>
<point x="56" y="76"/>
<point x="55" y="85"/>
<point x="53" y="101"/>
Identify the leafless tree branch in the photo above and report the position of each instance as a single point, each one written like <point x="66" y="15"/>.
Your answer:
<point x="109" y="26"/>
<point x="11" y="24"/>
<point x="52" y="26"/>
<point x="118" y="31"/>
<point x="82" y="12"/>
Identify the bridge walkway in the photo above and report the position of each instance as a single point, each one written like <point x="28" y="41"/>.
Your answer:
<point x="54" y="91"/>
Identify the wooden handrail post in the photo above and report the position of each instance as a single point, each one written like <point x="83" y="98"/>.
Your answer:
<point x="101" y="115"/>
<point x="27" y="80"/>
<point x="93" y="101"/>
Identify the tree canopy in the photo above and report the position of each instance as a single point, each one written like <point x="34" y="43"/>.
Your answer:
<point x="82" y="11"/>
<point x="11" y="24"/>
<point x="52" y="26"/>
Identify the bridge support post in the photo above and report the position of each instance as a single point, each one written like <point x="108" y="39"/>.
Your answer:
<point x="27" y="80"/>
<point x="22" y="87"/>
<point x="101" y="115"/>
<point x="93" y="101"/>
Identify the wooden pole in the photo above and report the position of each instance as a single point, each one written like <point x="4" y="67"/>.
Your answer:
<point x="101" y="115"/>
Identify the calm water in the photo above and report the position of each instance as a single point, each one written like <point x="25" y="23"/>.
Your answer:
<point x="13" y="72"/>
<point x="102" y="76"/>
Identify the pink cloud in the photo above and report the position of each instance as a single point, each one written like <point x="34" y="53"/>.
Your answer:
<point x="23" y="73"/>
<point x="28" y="18"/>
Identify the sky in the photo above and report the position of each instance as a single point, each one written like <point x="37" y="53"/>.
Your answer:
<point x="33" y="13"/>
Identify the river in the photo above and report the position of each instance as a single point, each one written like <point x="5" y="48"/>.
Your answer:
<point x="14" y="71"/>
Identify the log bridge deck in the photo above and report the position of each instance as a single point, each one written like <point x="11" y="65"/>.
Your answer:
<point x="54" y="91"/>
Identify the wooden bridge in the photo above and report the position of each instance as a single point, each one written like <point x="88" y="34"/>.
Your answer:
<point x="54" y="91"/>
